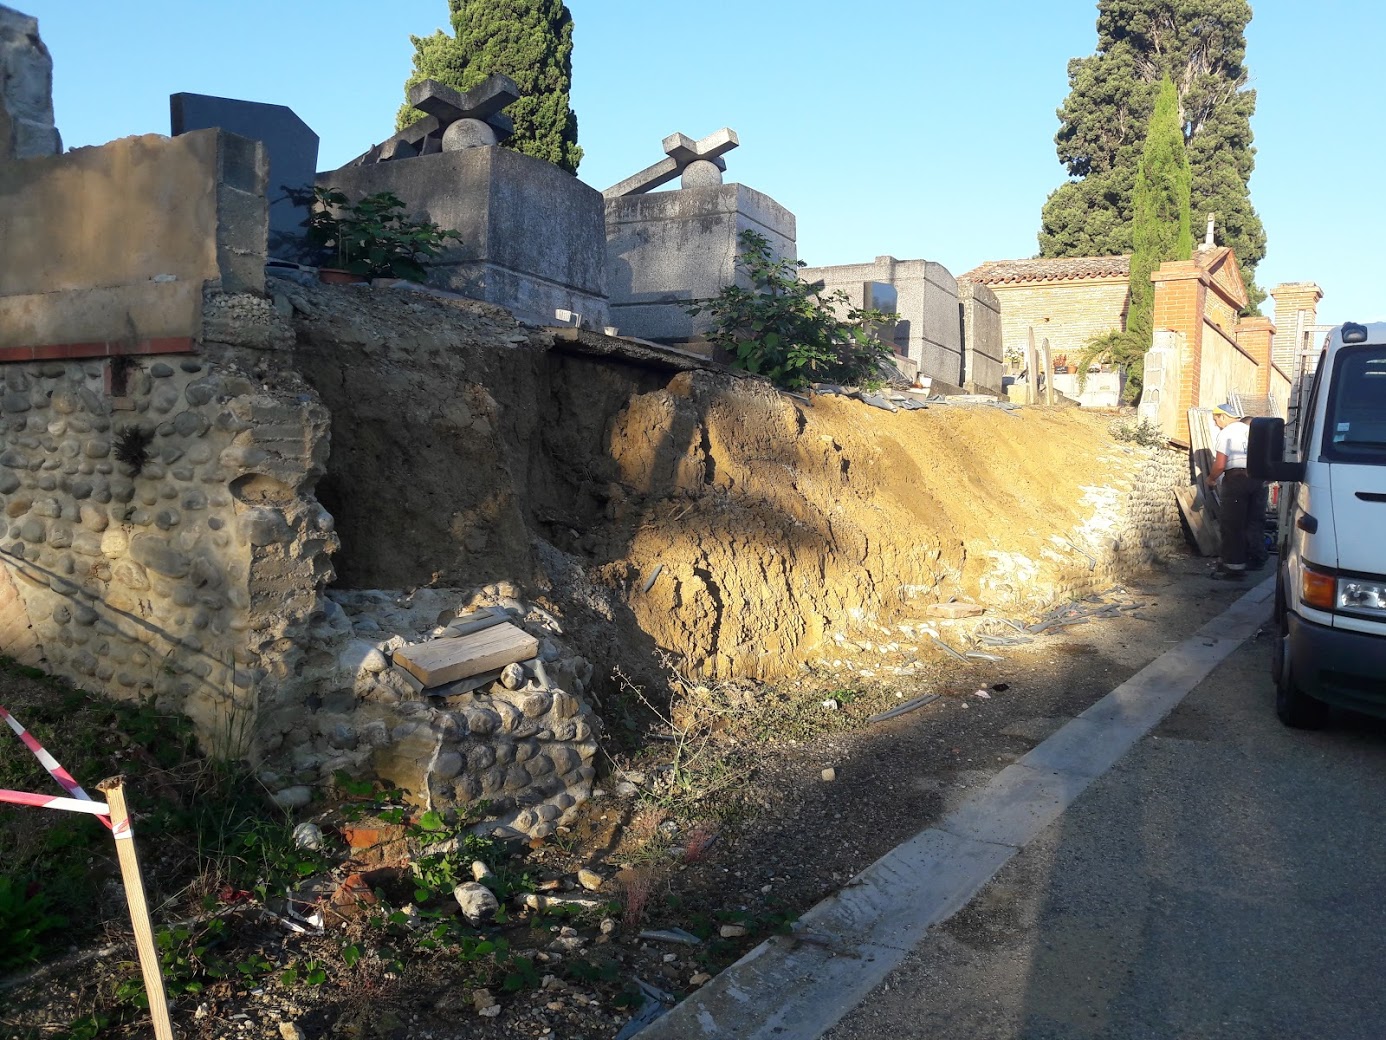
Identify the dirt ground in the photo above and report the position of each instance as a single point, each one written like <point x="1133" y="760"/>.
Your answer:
<point x="780" y="838"/>
<point x="468" y="450"/>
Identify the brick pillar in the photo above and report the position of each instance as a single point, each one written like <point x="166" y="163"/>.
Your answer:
<point x="1291" y="298"/>
<point x="1254" y="335"/>
<point x="1180" y="294"/>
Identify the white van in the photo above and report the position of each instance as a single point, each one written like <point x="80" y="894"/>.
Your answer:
<point x="1330" y="594"/>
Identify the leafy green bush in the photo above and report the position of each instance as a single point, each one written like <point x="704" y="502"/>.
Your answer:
<point x="1143" y="432"/>
<point x="788" y="330"/>
<point x="372" y="237"/>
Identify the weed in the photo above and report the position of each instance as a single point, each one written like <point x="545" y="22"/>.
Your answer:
<point x="637" y="885"/>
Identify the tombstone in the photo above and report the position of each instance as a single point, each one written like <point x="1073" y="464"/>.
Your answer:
<point x="669" y="250"/>
<point x="292" y="147"/>
<point x="927" y="325"/>
<point x="533" y="239"/>
<point x="26" y="90"/>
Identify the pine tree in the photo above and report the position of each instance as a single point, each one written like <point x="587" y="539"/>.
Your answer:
<point x="531" y="41"/>
<point x="1201" y="46"/>
<point x="1161" y="228"/>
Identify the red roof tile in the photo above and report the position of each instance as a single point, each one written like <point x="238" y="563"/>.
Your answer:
<point x="1052" y="269"/>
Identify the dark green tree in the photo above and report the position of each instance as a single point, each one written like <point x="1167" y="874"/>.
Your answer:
<point x="1161" y="229"/>
<point x="1161" y="226"/>
<point x="531" y="41"/>
<point x="1201" y="46"/>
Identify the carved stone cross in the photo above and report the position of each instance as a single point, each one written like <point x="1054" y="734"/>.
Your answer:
<point x="452" y="120"/>
<point x="698" y="162"/>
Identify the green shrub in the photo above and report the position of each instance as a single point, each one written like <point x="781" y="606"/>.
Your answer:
<point x="372" y="237"/>
<point x="788" y="330"/>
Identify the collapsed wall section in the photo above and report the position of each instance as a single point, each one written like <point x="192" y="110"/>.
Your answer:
<point x="695" y="511"/>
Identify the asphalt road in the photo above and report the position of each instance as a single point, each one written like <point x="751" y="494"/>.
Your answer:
<point x="1226" y="879"/>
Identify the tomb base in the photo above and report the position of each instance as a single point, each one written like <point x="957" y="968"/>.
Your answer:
<point x="532" y="235"/>
<point x="667" y="251"/>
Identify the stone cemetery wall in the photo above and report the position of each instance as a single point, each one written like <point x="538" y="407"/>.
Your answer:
<point x="26" y="90"/>
<point x="927" y="303"/>
<point x="108" y="250"/>
<point x="668" y="250"/>
<point x="533" y="238"/>
<point x="161" y="535"/>
<point x="983" y="349"/>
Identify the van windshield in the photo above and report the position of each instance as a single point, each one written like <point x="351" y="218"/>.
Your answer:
<point x="1356" y="426"/>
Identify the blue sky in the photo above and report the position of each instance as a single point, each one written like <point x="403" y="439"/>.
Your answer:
<point x="908" y="127"/>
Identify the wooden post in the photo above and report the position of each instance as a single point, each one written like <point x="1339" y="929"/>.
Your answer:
<point x="1032" y="367"/>
<point x="1048" y="373"/>
<point x="114" y="789"/>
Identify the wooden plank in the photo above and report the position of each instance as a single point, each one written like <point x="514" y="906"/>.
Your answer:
<point x="1204" y="528"/>
<point x="442" y="661"/>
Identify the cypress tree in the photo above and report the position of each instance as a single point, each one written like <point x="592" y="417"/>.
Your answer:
<point x="1201" y="46"/>
<point x="531" y="41"/>
<point x="1161" y="228"/>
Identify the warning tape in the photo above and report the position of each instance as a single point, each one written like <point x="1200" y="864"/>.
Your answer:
<point x="48" y="801"/>
<point x="57" y="772"/>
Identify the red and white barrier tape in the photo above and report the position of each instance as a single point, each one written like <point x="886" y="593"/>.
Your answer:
<point x="58" y="773"/>
<point x="48" y="801"/>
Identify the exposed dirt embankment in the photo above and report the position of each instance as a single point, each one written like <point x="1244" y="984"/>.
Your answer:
<point x="466" y="450"/>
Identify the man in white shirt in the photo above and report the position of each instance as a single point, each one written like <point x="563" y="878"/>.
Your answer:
<point x="1238" y="493"/>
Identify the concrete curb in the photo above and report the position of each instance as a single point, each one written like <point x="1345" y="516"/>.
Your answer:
<point x="798" y="986"/>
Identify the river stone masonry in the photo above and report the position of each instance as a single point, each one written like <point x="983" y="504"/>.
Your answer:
<point x="522" y="742"/>
<point x="157" y="522"/>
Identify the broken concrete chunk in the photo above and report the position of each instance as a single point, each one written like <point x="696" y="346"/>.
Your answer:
<point x="441" y="661"/>
<point x="478" y="903"/>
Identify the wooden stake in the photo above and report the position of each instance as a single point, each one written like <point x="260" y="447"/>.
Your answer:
<point x="1048" y="373"/>
<point x="114" y="789"/>
<point x="1032" y="368"/>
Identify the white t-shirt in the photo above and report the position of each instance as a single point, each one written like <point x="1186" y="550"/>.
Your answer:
<point x="1232" y="443"/>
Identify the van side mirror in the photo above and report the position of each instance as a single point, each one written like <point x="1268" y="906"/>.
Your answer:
<point x="1265" y="452"/>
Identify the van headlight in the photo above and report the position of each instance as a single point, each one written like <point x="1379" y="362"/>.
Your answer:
<point x="1342" y="595"/>
<point x="1362" y="595"/>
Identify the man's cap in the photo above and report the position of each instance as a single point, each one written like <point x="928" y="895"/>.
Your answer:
<point x="1227" y="408"/>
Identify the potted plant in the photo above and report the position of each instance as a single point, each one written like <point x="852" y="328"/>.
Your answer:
<point x="372" y="238"/>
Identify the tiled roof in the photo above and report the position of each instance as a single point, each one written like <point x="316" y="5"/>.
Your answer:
<point x="1055" y="269"/>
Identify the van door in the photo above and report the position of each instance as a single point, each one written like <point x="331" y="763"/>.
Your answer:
<point x="1354" y="446"/>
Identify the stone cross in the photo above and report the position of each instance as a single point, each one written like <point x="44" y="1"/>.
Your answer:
<point x="700" y="163"/>
<point x="452" y="120"/>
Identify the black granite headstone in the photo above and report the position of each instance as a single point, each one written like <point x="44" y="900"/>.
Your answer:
<point x="293" y="158"/>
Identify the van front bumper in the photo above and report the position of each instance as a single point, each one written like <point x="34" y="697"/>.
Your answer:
<point x="1347" y="669"/>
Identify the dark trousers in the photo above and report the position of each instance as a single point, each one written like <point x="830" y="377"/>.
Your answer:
<point x="1256" y="552"/>
<point x="1239" y="498"/>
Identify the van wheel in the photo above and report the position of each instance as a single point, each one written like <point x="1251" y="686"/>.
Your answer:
<point x="1294" y="707"/>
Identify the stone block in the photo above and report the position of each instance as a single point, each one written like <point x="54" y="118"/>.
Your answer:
<point x="26" y="90"/>
<point x="71" y="273"/>
<point x="666" y="251"/>
<point x="533" y="239"/>
<point x="982" y="341"/>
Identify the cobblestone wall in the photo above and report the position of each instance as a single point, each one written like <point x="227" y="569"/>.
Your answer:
<point x="160" y="531"/>
<point x="1134" y="524"/>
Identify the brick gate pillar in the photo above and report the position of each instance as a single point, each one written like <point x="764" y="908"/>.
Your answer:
<point x="1255" y="335"/>
<point x="1180" y="298"/>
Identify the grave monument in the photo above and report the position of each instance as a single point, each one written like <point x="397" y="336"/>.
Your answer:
<point x="292" y="148"/>
<point x="532" y="234"/>
<point x="669" y="250"/>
